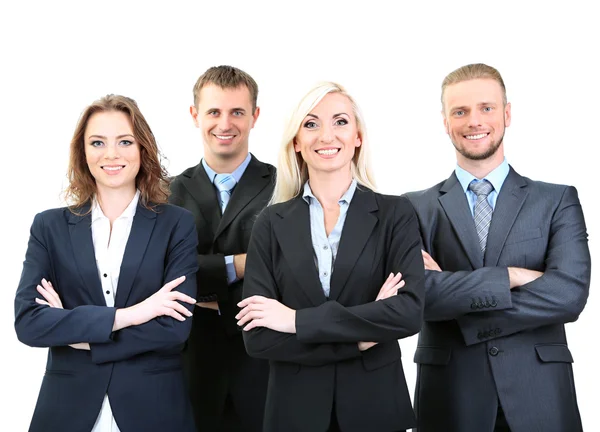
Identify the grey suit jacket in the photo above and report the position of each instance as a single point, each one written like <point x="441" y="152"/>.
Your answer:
<point x="482" y="342"/>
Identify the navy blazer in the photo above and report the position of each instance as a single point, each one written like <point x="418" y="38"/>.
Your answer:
<point x="140" y="367"/>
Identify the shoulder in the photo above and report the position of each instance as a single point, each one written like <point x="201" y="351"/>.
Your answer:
<point x="428" y="194"/>
<point x="398" y="205"/>
<point x="173" y="213"/>
<point x="176" y="181"/>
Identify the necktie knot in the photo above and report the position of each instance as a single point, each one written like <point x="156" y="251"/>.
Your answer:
<point x="481" y="188"/>
<point x="224" y="183"/>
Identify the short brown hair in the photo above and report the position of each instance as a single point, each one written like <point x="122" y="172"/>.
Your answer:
<point x="226" y="77"/>
<point x="151" y="180"/>
<point x="473" y="71"/>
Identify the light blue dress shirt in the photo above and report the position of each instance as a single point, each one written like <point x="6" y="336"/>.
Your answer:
<point x="237" y="175"/>
<point x="496" y="178"/>
<point x="325" y="247"/>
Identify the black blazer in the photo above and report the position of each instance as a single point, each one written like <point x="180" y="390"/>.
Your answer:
<point x="216" y="364"/>
<point x="140" y="367"/>
<point x="221" y="235"/>
<point x="482" y="342"/>
<point x="321" y="365"/>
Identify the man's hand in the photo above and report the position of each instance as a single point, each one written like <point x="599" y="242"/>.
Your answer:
<point x="518" y="276"/>
<point x="259" y="311"/>
<point x="239" y="263"/>
<point x="429" y="262"/>
<point x="363" y="346"/>
<point x="209" y="305"/>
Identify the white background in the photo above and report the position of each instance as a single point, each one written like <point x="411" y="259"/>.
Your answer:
<point x="57" y="57"/>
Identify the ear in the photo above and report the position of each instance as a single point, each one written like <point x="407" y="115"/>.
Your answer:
<point x="358" y="141"/>
<point x="445" y="122"/>
<point x="507" y="115"/>
<point x="194" y="113"/>
<point x="255" y="116"/>
<point x="296" y="146"/>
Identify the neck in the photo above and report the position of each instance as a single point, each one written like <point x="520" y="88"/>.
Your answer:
<point x="222" y="165"/>
<point x="329" y="187"/>
<point x="480" y="168"/>
<point x="113" y="202"/>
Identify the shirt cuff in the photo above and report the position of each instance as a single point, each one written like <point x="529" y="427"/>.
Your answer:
<point x="231" y="276"/>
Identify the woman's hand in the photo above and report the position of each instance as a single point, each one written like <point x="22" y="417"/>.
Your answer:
<point x="391" y="286"/>
<point x="260" y="311"/>
<point x="163" y="302"/>
<point x="53" y="300"/>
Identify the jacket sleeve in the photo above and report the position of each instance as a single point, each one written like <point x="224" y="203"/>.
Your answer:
<point x="394" y="318"/>
<point x="43" y="326"/>
<point x="265" y="343"/>
<point x="558" y="296"/>
<point x="163" y="332"/>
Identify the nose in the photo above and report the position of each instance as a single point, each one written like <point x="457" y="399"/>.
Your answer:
<point x="225" y="123"/>
<point x="112" y="151"/>
<point x="474" y="119"/>
<point x="326" y="134"/>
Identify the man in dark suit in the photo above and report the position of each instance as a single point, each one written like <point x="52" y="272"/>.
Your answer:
<point x="507" y="265"/>
<point x="225" y="192"/>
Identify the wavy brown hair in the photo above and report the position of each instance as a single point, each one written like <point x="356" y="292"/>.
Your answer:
<point x="151" y="180"/>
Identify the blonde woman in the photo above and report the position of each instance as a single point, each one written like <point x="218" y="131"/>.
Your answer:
<point x="334" y="278"/>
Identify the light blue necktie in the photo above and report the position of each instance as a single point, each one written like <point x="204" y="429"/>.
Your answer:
<point x="225" y="184"/>
<point x="482" y="212"/>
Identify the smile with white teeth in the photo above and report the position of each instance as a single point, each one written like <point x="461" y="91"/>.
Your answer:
<point x="224" y="137"/>
<point x="328" y="152"/>
<point x="476" y="137"/>
<point x="113" y="168"/>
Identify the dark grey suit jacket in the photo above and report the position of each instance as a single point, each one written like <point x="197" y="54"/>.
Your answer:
<point x="482" y="342"/>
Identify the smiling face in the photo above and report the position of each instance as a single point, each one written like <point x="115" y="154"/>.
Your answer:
<point x="475" y="118"/>
<point x="328" y="135"/>
<point x="225" y="118"/>
<point x="111" y="151"/>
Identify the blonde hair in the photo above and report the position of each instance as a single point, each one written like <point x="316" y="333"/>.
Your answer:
<point x="471" y="72"/>
<point x="292" y="171"/>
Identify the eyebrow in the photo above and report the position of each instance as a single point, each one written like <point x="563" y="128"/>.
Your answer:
<point x="219" y="109"/>
<point x="118" y="137"/>
<point x="335" y="115"/>
<point x="466" y="107"/>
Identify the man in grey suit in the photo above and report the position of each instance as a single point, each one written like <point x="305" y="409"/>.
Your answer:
<point x="507" y="264"/>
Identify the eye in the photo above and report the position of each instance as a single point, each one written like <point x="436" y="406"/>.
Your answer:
<point x="487" y="109"/>
<point x="341" y="122"/>
<point x="213" y="113"/>
<point x="238" y="113"/>
<point x="459" y="113"/>
<point x="310" y="124"/>
<point x="126" y="143"/>
<point x="96" y="143"/>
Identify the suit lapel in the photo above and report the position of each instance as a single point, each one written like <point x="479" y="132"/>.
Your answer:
<point x="204" y="193"/>
<point x="509" y="203"/>
<point x="456" y="206"/>
<point x="141" y="230"/>
<point x="359" y="224"/>
<point x="80" y="232"/>
<point x="296" y="245"/>
<point x="255" y="178"/>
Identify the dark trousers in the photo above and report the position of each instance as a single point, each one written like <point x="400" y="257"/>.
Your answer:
<point x="501" y="423"/>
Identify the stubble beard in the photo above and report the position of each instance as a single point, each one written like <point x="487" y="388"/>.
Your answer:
<point x="491" y="151"/>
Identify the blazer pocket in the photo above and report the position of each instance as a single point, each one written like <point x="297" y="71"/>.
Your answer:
<point x="522" y="236"/>
<point x="433" y="356"/>
<point x="381" y="355"/>
<point x="554" y="353"/>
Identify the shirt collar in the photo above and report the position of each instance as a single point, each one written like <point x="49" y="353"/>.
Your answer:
<point x="237" y="173"/>
<point x="129" y="212"/>
<point x="346" y="198"/>
<point x="496" y="177"/>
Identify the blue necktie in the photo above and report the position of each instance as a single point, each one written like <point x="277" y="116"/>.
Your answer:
<point x="482" y="212"/>
<point x="225" y="184"/>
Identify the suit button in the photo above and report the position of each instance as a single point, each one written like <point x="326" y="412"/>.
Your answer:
<point x="479" y="335"/>
<point x="487" y="304"/>
<point x="494" y="351"/>
<point x="494" y="303"/>
<point x="497" y="331"/>
<point x="473" y="305"/>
